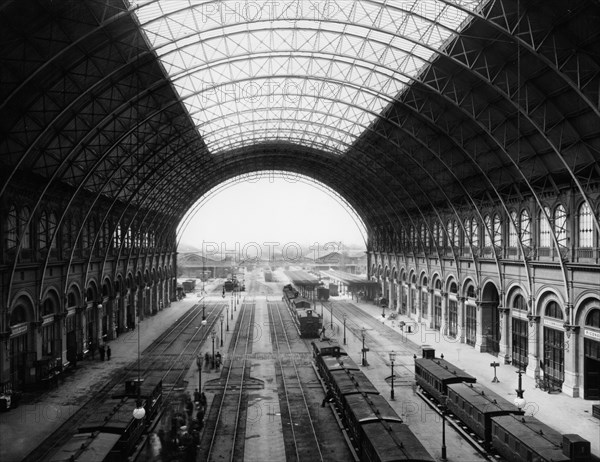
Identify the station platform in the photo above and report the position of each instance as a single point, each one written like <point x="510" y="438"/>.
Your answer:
<point x="40" y="413"/>
<point x="558" y="410"/>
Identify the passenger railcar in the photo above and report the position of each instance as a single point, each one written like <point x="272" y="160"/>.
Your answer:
<point x="390" y="442"/>
<point x="497" y="422"/>
<point x="375" y="429"/>
<point x="475" y="405"/>
<point x="111" y="433"/>
<point x="435" y="374"/>
<point x="115" y="416"/>
<point x="526" y="438"/>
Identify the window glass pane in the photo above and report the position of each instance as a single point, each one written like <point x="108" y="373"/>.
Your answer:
<point x="560" y="225"/>
<point x="497" y="231"/>
<point x="545" y="239"/>
<point x="512" y="230"/>
<point x="525" y="228"/>
<point x="586" y="226"/>
<point x="475" y="232"/>
<point x="11" y="228"/>
<point x="487" y="240"/>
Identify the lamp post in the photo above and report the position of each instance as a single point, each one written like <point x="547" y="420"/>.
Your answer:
<point x="364" y="350"/>
<point x="392" y="359"/>
<point x="203" y="313"/>
<point x="443" y="410"/>
<point x="213" y="334"/>
<point x="344" y="318"/>
<point x="519" y="400"/>
<point x="227" y="318"/>
<point x="221" y="330"/>
<point x="139" y="412"/>
<point x="331" y="324"/>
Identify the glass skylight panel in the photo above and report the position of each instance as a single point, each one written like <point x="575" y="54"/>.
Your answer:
<point x="315" y="72"/>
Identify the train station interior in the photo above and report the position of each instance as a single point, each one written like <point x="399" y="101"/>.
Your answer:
<point x="464" y="134"/>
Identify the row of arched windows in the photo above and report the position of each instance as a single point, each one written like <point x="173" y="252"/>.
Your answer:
<point x="19" y="227"/>
<point x="517" y="230"/>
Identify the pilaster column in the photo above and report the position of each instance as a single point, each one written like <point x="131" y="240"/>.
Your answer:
<point x="504" y="333"/>
<point x="533" y="346"/>
<point x="571" y="383"/>
<point x="430" y="307"/>
<point x="418" y="303"/>
<point x="444" y="313"/>
<point x="479" y="342"/>
<point x="462" y="328"/>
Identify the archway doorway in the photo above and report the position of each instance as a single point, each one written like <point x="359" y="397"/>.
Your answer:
<point x="490" y="319"/>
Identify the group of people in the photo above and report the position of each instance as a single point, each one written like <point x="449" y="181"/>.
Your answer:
<point x="104" y="350"/>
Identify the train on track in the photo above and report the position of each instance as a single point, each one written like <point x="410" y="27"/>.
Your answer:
<point x="308" y="321"/>
<point x="112" y="433"/>
<point x="499" y="426"/>
<point x="377" y="432"/>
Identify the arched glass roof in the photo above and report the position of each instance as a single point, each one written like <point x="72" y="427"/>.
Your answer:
<point x="315" y="73"/>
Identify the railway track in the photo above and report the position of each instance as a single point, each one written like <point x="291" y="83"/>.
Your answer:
<point x="224" y="437"/>
<point x="300" y="435"/>
<point x="153" y="358"/>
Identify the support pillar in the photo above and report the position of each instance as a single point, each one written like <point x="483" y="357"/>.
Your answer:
<point x="570" y="385"/>
<point x="479" y="339"/>
<point x="533" y="347"/>
<point x="504" y="352"/>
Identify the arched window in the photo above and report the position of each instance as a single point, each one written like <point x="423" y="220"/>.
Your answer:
<point x="474" y="232"/>
<point x="424" y="235"/>
<point x="560" y="225"/>
<point x="117" y="236"/>
<point x="553" y="311"/>
<point x="52" y="224"/>
<point x="512" y="230"/>
<point x="487" y="235"/>
<point x="586" y="226"/>
<point x="525" y="228"/>
<point x="43" y="230"/>
<point x="519" y="303"/>
<point x="440" y="235"/>
<point x="24" y="228"/>
<point x="12" y="236"/>
<point x="593" y="318"/>
<point x="467" y="233"/>
<point x="497" y="231"/>
<point x="545" y="228"/>
<point x="455" y="234"/>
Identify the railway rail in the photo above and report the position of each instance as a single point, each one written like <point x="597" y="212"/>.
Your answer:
<point x="223" y="439"/>
<point x="300" y="435"/>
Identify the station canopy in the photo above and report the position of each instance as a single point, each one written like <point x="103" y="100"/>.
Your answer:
<point x="315" y="73"/>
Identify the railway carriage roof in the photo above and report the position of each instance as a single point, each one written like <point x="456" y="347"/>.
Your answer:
<point x="444" y="370"/>
<point x="401" y="108"/>
<point x="395" y="442"/>
<point x="368" y="407"/>
<point x="487" y="402"/>
<point x="353" y="382"/>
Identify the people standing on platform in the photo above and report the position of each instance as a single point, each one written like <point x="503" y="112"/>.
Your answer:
<point x="102" y="352"/>
<point x="189" y="409"/>
<point x="108" y="352"/>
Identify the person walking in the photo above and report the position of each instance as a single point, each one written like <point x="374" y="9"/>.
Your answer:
<point x="108" y="352"/>
<point x="92" y="349"/>
<point x="102" y="352"/>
